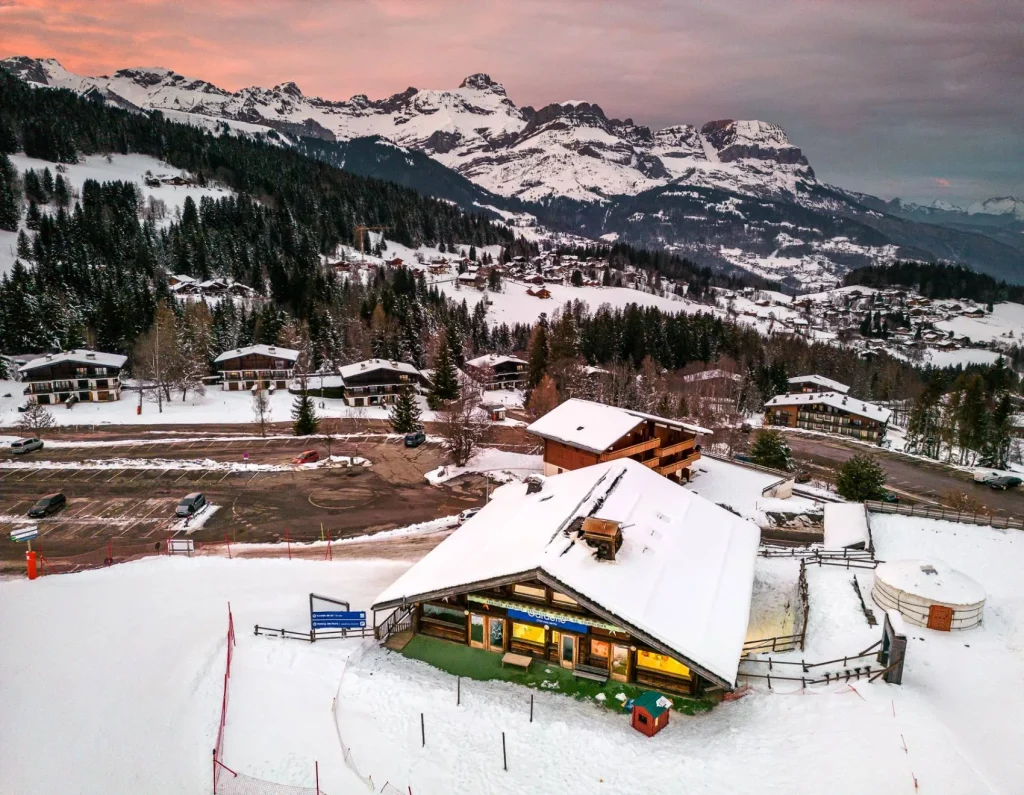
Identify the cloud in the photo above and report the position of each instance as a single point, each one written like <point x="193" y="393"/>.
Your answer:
<point x="942" y="182"/>
<point x="877" y="93"/>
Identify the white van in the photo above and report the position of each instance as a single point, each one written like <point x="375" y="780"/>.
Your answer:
<point x="22" y="446"/>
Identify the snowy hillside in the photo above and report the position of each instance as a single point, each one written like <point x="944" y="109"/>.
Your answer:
<point x="124" y="168"/>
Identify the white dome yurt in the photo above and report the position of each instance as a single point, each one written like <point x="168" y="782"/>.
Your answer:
<point x="929" y="593"/>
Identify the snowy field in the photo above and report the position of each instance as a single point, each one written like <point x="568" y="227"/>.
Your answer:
<point x="128" y="662"/>
<point x="513" y="305"/>
<point x="500" y="465"/>
<point x="1005" y="325"/>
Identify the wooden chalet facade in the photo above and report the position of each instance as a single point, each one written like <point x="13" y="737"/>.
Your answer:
<point x="265" y="366"/>
<point x="498" y="372"/>
<point x="378" y="382"/>
<point x="73" y="376"/>
<point x="829" y="412"/>
<point x="580" y="433"/>
<point x="544" y="574"/>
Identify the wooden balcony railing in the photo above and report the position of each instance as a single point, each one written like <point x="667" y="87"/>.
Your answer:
<point x="675" y="466"/>
<point x="678" y="447"/>
<point x="634" y="449"/>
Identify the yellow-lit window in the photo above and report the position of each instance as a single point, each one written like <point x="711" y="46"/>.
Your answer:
<point x="561" y="598"/>
<point x="660" y="662"/>
<point x="529" y="591"/>
<point x="528" y="632"/>
<point x="598" y="648"/>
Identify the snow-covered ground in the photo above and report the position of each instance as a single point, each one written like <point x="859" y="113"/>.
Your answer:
<point x="1005" y="325"/>
<point x="128" y="661"/>
<point x="500" y="465"/>
<point x="513" y="305"/>
<point x="961" y="356"/>
<point x="739" y="489"/>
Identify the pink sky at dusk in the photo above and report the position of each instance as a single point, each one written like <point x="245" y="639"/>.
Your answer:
<point x="874" y="92"/>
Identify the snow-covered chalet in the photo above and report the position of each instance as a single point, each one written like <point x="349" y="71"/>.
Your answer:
<point x="611" y="571"/>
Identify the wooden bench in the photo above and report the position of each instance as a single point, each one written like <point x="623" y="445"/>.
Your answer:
<point x="590" y="672"/>
<point x="521" y="660"/>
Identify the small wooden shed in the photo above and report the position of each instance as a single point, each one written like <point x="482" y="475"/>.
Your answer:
<point x="650" y="712"/>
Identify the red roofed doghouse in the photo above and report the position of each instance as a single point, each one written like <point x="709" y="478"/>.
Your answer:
<point x="650" y="712"/>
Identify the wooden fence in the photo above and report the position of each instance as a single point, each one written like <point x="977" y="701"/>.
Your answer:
<point x="947" y="514"/>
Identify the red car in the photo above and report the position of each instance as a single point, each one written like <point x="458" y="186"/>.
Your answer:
<point x="307" y="457"/>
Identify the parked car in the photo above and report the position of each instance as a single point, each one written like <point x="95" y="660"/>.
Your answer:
<point x="1005" y="482"/>
<point x="51" y="503"/>
<point x="190" y="504"/>
<point x="27" y="445"/>
<point x="986" y="475"/>
<point x="468" y="514"/>
<point x="890" y="496"/>
<point x="746" y="427"/>
<point x="415" y="439"/>
<point x="802" y="476"/>
<point x="23" y="407"/>
<point x="306" y="457"/>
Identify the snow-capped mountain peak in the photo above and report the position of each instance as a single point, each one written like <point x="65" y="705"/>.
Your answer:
<point x="570" y="149"/>
<point x="1001" y="205"/>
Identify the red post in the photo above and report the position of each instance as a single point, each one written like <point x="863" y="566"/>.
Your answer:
<point x="168" y="545"/>
<point x="229" y="545"/>
<point x="287" y="541"/>
<point x="30" y="563"/>
<point x="110" y="556"/>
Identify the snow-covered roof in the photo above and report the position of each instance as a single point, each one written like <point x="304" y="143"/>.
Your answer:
<point x="368" y="365"/>
<point x="266" y="350"/>
<point x="826" y="384"/>
<point x="77" y="356"/>
<point x="846" y="525"/>
<point x="595" y="426"/>
<point x="683" y="576"/>
<point x="492" y="360"/>
<point x="834" y="399"/>
<point x="931" y="579"/>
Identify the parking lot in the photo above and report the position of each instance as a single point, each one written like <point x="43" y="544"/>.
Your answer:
<point x="124" y="492"/>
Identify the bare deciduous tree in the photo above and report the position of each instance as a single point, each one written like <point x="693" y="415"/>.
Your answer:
<point x="463" y="426"/>
<point x="261" y="409"/>
<point x="330" y="430"/>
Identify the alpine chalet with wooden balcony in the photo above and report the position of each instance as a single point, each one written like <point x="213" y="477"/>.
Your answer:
<point x="73" y="376"/>
<point x="610" y="572"/>
<point x="268" y="366"/>
<point x="828" y="412"/>
<point x="378" y="382"/>
<point x="581" y="433"/>
<point x="494" y="371"/>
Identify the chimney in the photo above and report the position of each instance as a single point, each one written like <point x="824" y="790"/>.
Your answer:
<point x="90" y="355"/>
<point x="534" y="483"/>
<point x="605" y="535"/>
<point x="271" y="349"/>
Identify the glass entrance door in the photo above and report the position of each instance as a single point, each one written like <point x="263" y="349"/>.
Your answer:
<point x="496" y="634"/>
<point x="476" y="631"/>
<point x="568" y="651"/>
<point x="620" y="663"/>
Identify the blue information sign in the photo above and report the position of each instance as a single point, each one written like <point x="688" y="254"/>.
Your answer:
<point x="338" y="619"/>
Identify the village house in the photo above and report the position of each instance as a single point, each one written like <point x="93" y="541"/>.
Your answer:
<point x="830" y="412"/>
<point x="73" y="376"/>
<point x="816" y="383"/>
<point x="610" y="572"/>
<point x="494" y="371"/>
<point x="263" y="366"/>
<point x="378" y="382"/>
<point x="476" y="279"/>
<point x="581" y="433"/>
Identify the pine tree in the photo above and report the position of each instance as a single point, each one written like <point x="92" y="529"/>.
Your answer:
<point x="996" y="451"/>
<point x="861" y="478"/>
<point x="537" y="358"/>
<point x="10" y="208"/>
<point x="446" y="378"/>
<point x="405" y="413"/>
<point x="304" y="418"/>
<point x="770" y="450"/>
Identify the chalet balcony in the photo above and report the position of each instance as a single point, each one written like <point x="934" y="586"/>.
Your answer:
<point x="675" y="466"/>
<point x="257" y="375"/>
<point x="74" y="385"/>
<point x="632" y="450"/>
<point x="678" y="447"/>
